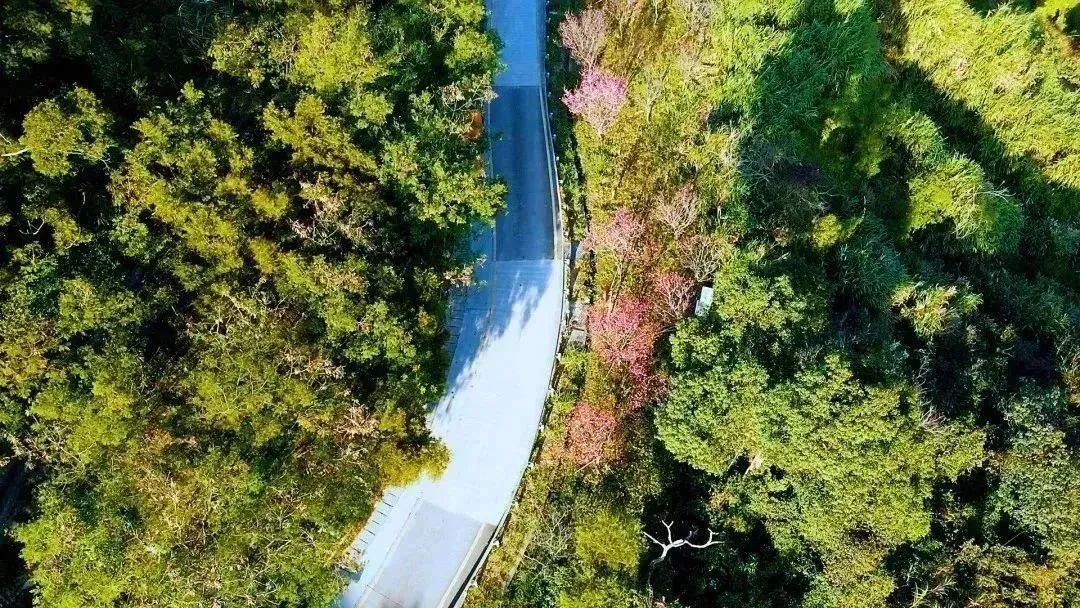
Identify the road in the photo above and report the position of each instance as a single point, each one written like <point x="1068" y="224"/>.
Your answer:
<point x="421" y="546"/>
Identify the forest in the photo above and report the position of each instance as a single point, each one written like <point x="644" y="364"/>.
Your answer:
<point x="229" y="229"/>
<point x="880" y="405"/>
<point x="227" y="234"/>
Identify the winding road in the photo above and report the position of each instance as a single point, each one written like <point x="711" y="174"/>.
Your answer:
<point x="422" y="545"/>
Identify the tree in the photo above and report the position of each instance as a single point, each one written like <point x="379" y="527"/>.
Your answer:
<point x="190" y="171"/>
<point x="590" y="432"/>
<point x="873" y="267"/>
<point x="1040" y="481"/>
<point x="316" y="137"/>
<point x="334" y="51"/>
<point x="618" y="235"/>
<point x="227" y="235"/>
<point x="1030" y="120"/>
<point x="956" y="189"/>
<point x="598" y="99"/>
<point x="608" y="537"/>
<point x="704" y="255"/>
<point x="712" y="419"/>
<point x="679" y="212"/>
<point x="584" y="34"/>
<point x="933" y="309"/>
<point x="667" y="545"/>
<point x="74" y="124"/>
<point x="623" y="337"/>
<point x="675" y="293"/>
<point x="826" y="473"/>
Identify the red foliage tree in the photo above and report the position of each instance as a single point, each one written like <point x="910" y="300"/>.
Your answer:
<point x="597" y="99"/>
<point x="583" y="35"/>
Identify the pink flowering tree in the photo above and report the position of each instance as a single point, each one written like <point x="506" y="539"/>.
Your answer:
<point x="646" y="390"/>
<point x="617" y="235"/>
<point x="623" y="337"/>
<point x="598" y="99"/>
<point x="589" y="434"/>
<point x="583" y="35"/>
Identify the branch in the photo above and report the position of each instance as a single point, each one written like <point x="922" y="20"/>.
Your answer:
<point x="665" y="548"/>
<point x="672" y="543"/>
<point x="15" y="153"/>
<point x="707" y="543"/>
<point x="662" y="544"/>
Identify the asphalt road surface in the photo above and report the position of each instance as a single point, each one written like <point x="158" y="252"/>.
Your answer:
<point x="420" y="547"/>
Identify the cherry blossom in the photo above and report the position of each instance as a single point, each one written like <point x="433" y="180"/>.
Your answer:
<point x="623" y="337"/>
<point x="589" y="432"/>
<point x="618" y="235"/>
<point x="597" y="99"/>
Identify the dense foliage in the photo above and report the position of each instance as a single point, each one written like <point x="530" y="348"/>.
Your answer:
<point x="880" y="407"/>
<point x="226" y="237"/>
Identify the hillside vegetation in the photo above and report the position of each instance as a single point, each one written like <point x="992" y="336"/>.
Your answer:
<point x="881" y="407"/>
<point x="227" y="232"/>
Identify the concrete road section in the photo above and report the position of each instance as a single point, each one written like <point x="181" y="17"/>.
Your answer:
<point x="526" y="230"/>
<point x="420" y="547"/>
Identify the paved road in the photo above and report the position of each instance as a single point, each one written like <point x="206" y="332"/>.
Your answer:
<point x="420" y="547"/>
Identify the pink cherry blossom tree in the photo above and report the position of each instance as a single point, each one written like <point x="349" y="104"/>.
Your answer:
<point x="645" y="390"/>
<point x="620" y="236"/>
<point x="583" y="35"/>
<point x="623" y="337"/>
<point x="589" y="434"/>
<point x="598" y="99"/>
<point x="617" y="235"/>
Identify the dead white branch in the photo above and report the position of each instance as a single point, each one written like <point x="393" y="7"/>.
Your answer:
<point x="675" y="543"/>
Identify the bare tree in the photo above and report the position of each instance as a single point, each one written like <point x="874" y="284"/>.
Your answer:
<point x="655" y="81"/>
<point x="692" y="66"/>
<point x="680" y="211"/>
<point x="9" y="142"/>
<point x="550" y="540"/>
<point x="673" y="543"/>
<point x="703" y="255"/>
<point x="933" y="422"/>
<point x="697" y="14"/>
<point x="584" y="34"/>
<point x="674" y="293"/>
<point x="623" y="10"/>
